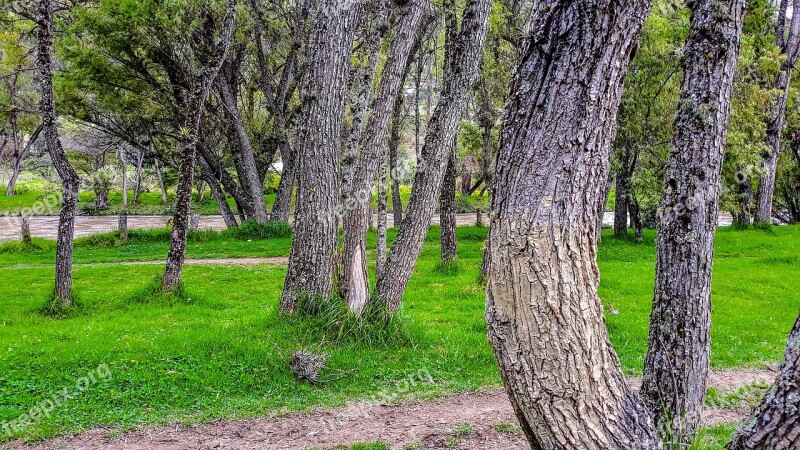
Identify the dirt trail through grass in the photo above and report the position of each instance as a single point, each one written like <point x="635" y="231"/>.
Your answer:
<point x="482" y="420"/>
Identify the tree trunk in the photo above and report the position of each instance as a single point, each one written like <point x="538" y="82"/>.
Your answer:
<point x="183" y="194"/>
<point x="242" y="149"/>
<point x="433" y="158"/>
<point x="122" y="226"/>
<point x="18" y="158"/>
<point x="25" y="230"/>
<point x="139" y="176"/>
<point x="790" y="48"/>
<point x="636" y="215"/>
<point x="218" y="194"/>
<point x="69" y="179"/>
<point x="394" y="146"/>
<point x="311" y="260"/>
<point x="545" y="320"/>
<point x="283" y="198"/>
<point x="380" y="253"/>
<point x="677" y="362"/>
<point x="775" y="424"/>
<point x="606" y="193"/>
<point x="447" y="212"/>
<point x="357" y="214"/>
<point x="124" y="171"/>
<point x="160" y="178"/>
<point x="745" y="194"/>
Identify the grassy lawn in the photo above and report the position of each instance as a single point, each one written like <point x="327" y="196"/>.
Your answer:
<point x="222" y="350"/>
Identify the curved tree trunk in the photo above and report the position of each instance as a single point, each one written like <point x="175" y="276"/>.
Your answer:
<point x="183" y="194"/>
<point x="311" y="260"/>
<point x="790" y="48"/>
<point x="433" y="158"/>
<point x="545" y="320"/>
<point x="677" y="362"/>
<point x="775" y="424"/>
<point x="357" y="214"/>
<point x="69" y="179"/>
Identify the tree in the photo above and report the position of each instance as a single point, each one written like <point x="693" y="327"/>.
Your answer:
<point x="201" y="84"/>
<point x="311" y="259"/>
<point x="447" y="197"/>
<point x="679" y="348"/>
<point x="433" y="158"/>
<point x="545" y="320"/>
<point x="790" y="47"/>
<point x="775" y="423"/>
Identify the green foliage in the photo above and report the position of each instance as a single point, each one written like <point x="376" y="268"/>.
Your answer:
<point x="153" y="294"/>
<point x="250" y="229"/>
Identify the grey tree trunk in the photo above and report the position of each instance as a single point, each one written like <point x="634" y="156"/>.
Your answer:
<point x="357" y="214"/>
<point x="311" y="260"/>
<point x="19" y="157"/>
<point x="219" y="195"/>
<point x="745" y="193"/>
<point x="244" y="154"/>
<point x="194" y="109"/>
<point x="25" y="230"/>
<point x="380" y="253"/>
<point x="70" y="182"/>
<point x="775" y="424"/>
<point x="677" y="361"/>
<point x="394" y="146"/>
<point x="545" y="320"/>
<point x="447" y="212"/>
<point x="160" y="178"/>
<point x="122" y="226"/>
<point x="790" y="47"/>
<point x="139" y="176"/>
<point x="433" y="158"/>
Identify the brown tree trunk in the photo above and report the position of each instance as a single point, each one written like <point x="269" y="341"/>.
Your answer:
<point x="380" y="254"/>
<point x="447" y="212"/>
<point x="194" y="110"/>
<point x="775" y="424"/>
<point x="789" y="48"/>
<point x="433" y="158"/>
<point x="70" y="182"/>
<point x="242" y="149"/>
<point x="394" y="146"/>
<point x="357" y="214"/>
<point x="311" y="260"/>
<point x="545" y="320"/>
<point x="677" y="361"/>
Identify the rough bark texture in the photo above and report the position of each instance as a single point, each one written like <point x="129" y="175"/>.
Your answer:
<point x="25" y="230"/>
<point x="447" y="212"/>
<point x="433" y="158"/>
<point x="122" y="226"/>
<point x="189" y="143"/>
<point x="775" y="122"/>
<point x="311" y="260"/>
<point x="394" y="146"/>
<point x="380" y="253"/>
<point x="242" y="149"/>
<point x="775" y="424"/>
<point x="545" y="320"/>
<point x="357" y="214"/>
<point x="745" y="194"/>
<point x="677" y="362"/>
<point x="69" y="179"/>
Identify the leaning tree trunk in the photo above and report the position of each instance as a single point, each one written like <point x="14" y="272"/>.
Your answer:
<point x="19" y="157"/>
<point x="442" y="129"/>
<point x="242" y="149"/>
<point x="311" y="261"/>
<point x="219" y="195"/>
<point x="69" y="179"/>
<point x="160" y="178"/>
<point x="545" y="320"/>
<point x="790" y="48"/>
<point x="394" y="146"/>
<point x="357" y="214"/>
<point x="775" y="424"/>
<point x="677" y="361"/>
<point x="183" y="194"/>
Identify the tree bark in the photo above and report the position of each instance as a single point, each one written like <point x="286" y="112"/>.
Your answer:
<point x="775" y="122"/>
<point x="122" y="226"/>
<point x="775" y="424"/>
<point x="194" y="110"/>
<point x="311" y="260"/>
<point x="545" y="320"/>
<point x="16" y="167"/>
<point x="70" y="182"/>
<point x="243" y="152"/>
<point x="677" y="361"/>
<point x="380" y="253"/>
<point x="447" y="212"/>
<point x="357" y="214"/>
<point x="433" y="158"/>
<point x="219" y="195"/>
<point x="394" y="146"/>
<point x="745" y="195"/>
<point x="160" y="178"/>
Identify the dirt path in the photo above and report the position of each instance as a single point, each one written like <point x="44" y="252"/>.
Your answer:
<point x="483" y="420"/>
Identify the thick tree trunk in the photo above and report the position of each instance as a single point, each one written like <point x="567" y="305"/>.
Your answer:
<point x="775" y="424"/>
<point x="677" y="362"/>
<point x="447" y="212"/>
<point x="790" y="48"/>
<point x="311" y="260"/>
<point x="357" y="214"/>
<point x="433" y="158"/>
<point x="545" y="320"/>
<point x="69" y="179"/>
<point x="243" y="152"/>
<point x="183" y="194"/>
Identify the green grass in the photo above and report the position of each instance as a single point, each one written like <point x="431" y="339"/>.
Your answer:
<point x="221" y="349"/>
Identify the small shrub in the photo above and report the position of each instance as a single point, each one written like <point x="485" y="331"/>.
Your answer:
<point x="153" y="294"/>
<point x="250" y="229"/>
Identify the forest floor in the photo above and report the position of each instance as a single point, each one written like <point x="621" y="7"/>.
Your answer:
<point x="209" y="367"/>
<point x="476" y="420"/>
